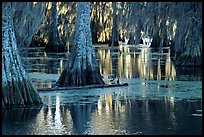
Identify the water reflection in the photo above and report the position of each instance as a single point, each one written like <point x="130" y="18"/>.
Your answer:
<point x="144" y="107"/>
<point x="133" y="62"/>
<point x="140" y="117"/>
<point x="40" y="61"/>
<point x="16" y="120"/>
<point x="81" y="115"/>
<point x="54" y="120"/>
<point x="109" y="114"/>
<point x="56" y="62"/>
<point x="124" y="61"/>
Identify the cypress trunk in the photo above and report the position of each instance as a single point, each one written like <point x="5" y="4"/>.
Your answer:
<point x="82" y="68"/>
<point x="114" y="39"/>
<point x="17" y="88"/>
<point x="55" y="44"/>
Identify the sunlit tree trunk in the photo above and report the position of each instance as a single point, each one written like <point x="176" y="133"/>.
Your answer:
<point x="54" y="44"/>
<point x="17" y="88"/>
<point x="82" y="68"/>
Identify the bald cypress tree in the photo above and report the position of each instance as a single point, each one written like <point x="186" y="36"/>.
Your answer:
<point x="82" y="68"/>
<point x="17" y="88"/>
<point x="114" y="37"/>
<point x="55" y="43"/>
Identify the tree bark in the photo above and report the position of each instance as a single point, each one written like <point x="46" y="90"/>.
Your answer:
<point x="55" y="44"/>
<point x="17" y="88"/>
<point x="82" y="68"/>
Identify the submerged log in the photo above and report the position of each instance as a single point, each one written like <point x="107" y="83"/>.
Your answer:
<point x="81" y="87"/>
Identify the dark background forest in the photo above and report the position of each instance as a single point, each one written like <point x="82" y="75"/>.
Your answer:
<point x="174" y="24"/>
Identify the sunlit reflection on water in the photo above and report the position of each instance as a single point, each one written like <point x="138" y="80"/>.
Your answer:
<point x="123" y="62"/>
<point x="111" y="114"/>
<point x="153" y="103"/>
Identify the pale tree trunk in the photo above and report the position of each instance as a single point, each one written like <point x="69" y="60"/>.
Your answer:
<point x="17" y="88"/>
<point x="55" y="43"/>
<point x="82" y="68"/>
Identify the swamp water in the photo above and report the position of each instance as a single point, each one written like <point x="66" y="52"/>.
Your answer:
<point x="160" y="99"/>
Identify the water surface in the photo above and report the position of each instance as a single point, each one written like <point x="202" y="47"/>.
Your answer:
<point x="161" y="99"/>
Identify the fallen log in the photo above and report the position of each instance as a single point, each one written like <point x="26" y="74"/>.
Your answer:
<point x="82" y="87"/>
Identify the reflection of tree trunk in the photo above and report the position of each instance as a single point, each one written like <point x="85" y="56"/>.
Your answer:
<point x="81" y="115"/>
<point x="53" y="66"/>
<point x="19" y="115"/>
<point x="17" y="88"/>
<point x="54" y="44"/>
<point x="13" y="120"/>
<point x="114" y="58"/>
<point x="82" y="67"/>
